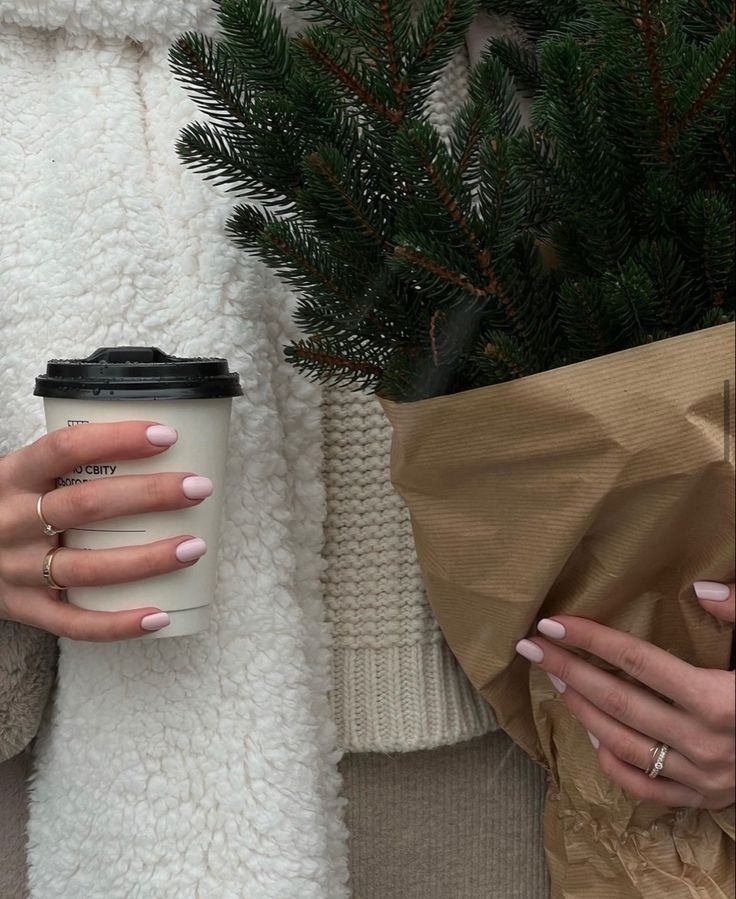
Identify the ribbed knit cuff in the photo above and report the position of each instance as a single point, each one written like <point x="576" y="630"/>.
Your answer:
<point x="374" y="714"/>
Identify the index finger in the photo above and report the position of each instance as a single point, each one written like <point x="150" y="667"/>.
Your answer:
<point x="671" y="677"/>
<point x="64" y="449"/>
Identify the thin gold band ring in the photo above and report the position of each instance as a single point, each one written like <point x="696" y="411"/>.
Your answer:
<point x="48" y="529"/>
<point x="47" y="576"/>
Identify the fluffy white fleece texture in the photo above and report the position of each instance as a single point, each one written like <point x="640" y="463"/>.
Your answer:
<point x="191" y="767"/>
<point x="145" y="21"/>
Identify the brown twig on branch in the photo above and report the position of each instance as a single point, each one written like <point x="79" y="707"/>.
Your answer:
<point x="347" y="79"/>
<point x="704" y="96"/>
<point x="436" y="269"/>
<point x="307" y="353"/>
<point x="398" y="85"/>
<point x="647" y="32"/>
<point x="435" y="315"/>
<point x="320" y="163"/>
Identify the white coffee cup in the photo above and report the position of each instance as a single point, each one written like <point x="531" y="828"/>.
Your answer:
<point x="192" y="395"/>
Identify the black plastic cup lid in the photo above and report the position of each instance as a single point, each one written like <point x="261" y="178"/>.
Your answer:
<point x="137" y="373"/>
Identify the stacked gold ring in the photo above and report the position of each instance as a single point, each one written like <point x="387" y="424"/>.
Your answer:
<point x="657" y="755"/>
<point x="49" y="531"/>
<point x="47" y="576"/>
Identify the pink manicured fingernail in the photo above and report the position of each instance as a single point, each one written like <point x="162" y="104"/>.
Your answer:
<point x="711" y="590"/>
<point x="155" y="622"/>
<point x="196" y="488"/>
<point x="551" y="628"/>
<point x="161" y="435"/>
<point x="558" y="684"/>
<point x="594" y="740"/>
<point x="529" y="650"/>
<point x="191" y="549"/>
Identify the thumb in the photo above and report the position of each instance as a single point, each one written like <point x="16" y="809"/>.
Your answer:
<point x="718" y="599"/>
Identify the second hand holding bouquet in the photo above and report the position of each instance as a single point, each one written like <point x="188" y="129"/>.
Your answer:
<point x="545" y="315"/>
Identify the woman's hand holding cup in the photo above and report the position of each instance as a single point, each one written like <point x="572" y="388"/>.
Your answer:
<point x="32" y="470"/>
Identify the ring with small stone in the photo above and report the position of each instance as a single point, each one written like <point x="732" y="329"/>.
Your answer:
<point x="658" y="752"/>
<point x="47" y="576"/>
<point x="48" y="529"/>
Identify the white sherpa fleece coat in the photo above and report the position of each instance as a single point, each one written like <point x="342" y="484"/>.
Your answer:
<point x="199" y="767"/>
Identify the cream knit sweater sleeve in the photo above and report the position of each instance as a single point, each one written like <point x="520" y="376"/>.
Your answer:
<point x="396" y="684"/>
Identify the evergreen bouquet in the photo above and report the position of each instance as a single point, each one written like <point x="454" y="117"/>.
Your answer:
<point x="545" y="313"/>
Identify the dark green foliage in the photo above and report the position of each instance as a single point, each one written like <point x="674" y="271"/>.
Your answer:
<point x="536" y="17"/>
<point x="521" y="62"/>
<point x="428" y="265"/>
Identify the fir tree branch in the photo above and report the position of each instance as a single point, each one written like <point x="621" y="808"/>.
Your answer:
<point x="318" y="162"/>
<point x="502" y="194"/>
<point x="446" y="197"/>
<point x="277" y="235"/>
<point x="705" y="95"/>
<point x="491" y="107"/>
<point x="726" y="155"/>
<point x="664" y="265"/>
<point x="207" y="68"/>
<point x="472" y="139"/>
<point x="330" y="65"/>
<point x="254" y="34"/>
<point x="440" y="271"/>
<point x="205" y="149"/>
<point x="583" y="318"/>
<point x="328" y="12"/>
<point x="432" y="337"/>
<point x="537" y="17"/>
<point x="399" y="85"/>
<point x="438" y="32"/>
<point x="645" y="26"/>
<point x="493" y="286"/>
<point x="426" y="48"/>
<point x="271" y="236"/>
<point x="496" y="353"/>
<point x="519" y="60"/>
<point x="500" y="356"/>
<point x="710" y="221"/>
<point x="405" y="279"/>
<point x="308" y="352"/>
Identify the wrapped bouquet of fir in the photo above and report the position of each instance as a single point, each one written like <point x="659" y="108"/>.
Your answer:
<point x="545" y="312"/>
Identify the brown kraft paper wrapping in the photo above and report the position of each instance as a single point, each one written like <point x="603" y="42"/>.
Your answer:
<point x="601" y="489"/>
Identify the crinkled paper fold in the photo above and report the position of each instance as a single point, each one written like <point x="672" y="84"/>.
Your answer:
<point x="601" y="489"/>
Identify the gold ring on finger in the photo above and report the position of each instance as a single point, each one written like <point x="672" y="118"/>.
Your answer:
<point x="47" y="576"/>
<point x="653" y="751"/>
<point x="48" y="529"/>
<point x="658" y="754"/>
